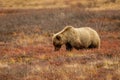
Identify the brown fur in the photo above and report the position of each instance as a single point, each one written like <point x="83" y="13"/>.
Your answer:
<point x="77" y="38"/>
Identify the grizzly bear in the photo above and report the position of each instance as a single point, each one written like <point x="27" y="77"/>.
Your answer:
<point x="78" y="38"/>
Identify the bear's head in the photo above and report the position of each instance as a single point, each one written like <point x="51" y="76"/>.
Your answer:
<point x="61" y="37"/>
<point x="57" y="42"/>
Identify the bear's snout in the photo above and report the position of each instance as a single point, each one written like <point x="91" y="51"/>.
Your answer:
<point x="57" y="47"/>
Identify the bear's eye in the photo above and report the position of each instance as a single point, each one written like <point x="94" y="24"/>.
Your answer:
<point x="58" y="37"/>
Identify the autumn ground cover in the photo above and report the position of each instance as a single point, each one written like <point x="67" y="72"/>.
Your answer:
<point x="27" y="53"/>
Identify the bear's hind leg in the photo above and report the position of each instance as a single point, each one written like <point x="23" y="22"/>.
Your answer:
<point x="68" y="47"/>
<point x="93" y="46"/>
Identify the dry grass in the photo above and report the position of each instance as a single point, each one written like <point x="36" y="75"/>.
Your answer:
<point x="26" y="50"/>
<point x="28" y="4"/>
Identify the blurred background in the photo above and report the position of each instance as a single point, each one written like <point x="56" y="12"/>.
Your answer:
<point x="25" y="4"/>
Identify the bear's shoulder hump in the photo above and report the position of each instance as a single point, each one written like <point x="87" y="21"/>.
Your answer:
<point x="68" y="28"/>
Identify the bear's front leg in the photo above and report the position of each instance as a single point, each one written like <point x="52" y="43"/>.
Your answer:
<point x="68" y="47"/>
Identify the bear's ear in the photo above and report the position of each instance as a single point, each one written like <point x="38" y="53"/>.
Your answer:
<point x="58" y="37"/>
